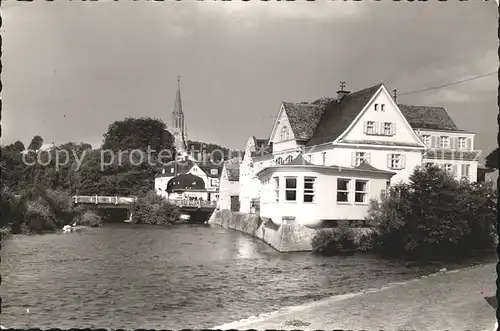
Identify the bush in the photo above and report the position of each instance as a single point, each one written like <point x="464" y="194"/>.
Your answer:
<point x="340" y="240"/>
<point x="153" y="209"/>
<point x="89" y="218"/>
<point x="434" y="216"/>
<point x="39" y="216"/>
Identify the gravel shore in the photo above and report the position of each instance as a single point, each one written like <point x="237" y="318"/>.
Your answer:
<point x="446" y="300"/>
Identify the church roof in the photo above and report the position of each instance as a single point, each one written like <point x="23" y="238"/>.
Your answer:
<point x="178" y="102"/>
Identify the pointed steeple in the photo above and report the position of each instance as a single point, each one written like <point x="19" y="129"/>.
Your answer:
<point x="178" y="102"/>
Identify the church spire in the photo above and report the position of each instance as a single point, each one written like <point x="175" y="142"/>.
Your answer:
<point x="178" y="103"/>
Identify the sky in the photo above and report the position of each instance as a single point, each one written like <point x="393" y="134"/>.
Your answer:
<point x="70" y="69"/>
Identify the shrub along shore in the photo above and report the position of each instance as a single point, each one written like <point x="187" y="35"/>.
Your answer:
<point x="431" y="217"/>
<point x="44" y="211"/>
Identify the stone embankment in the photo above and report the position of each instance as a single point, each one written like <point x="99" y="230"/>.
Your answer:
<point x="283" y="238"/>
<point x="447" y="300"/>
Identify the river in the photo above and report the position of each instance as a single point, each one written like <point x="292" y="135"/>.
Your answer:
<point x="144" y="276"/>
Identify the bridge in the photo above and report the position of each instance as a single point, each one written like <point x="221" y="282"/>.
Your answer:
<point x="197" y="209"/>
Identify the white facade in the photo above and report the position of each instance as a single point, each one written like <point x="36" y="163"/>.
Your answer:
<point x="229" y="189"/>
<point x="308" y="195"/>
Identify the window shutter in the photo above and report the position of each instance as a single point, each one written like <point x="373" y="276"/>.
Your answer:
<point x="367" y="157"/>
<point x="469" y="143"/>
<point x="433" y="142"/>
<point x="375" y="127"/>
<point x="353" y="159"/>
<point x="365" y="127"/>
<point x="389" y="161"/>
<point x="403" y="161"/>
<point x="393" y="128"/>
<point x="454" y="143"/>
<point x="462" y="170"/>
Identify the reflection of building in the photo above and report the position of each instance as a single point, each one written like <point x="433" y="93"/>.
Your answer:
<point x="229" y="186"/>
<point x="325" y="159"/>
<point x="210" y="175"/>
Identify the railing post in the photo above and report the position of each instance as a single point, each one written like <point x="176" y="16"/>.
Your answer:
<point x="116" y="199"/>
<point x="96" y="199"/>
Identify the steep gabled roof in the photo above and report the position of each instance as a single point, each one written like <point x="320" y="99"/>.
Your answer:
<point x="303" y="118"/>
<point x="339" y="115"/>
<point x="423" y="117"/>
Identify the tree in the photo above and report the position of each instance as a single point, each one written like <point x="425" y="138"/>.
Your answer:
<point x="36" y="143"/>
<point x="138" y="133"/>
<point x="16" y="147"/>
<point x="434" y="216"/>
<point x="492" y="159"/>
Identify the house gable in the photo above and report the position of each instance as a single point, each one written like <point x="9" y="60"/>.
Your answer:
<point x="381" y="122"/>
<point x="282" y="123"/>
<point x="197" y="171"/>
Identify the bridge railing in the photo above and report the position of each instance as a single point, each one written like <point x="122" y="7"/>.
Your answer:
<point x="194" y="203"/>
<point x="96" y="199"/>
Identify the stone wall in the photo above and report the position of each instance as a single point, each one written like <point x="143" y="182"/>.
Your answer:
<point x="283" y="238"/>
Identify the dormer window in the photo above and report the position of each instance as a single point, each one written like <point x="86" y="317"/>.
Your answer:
<point x="284" y="133"/>
<point x="288" y="159"/>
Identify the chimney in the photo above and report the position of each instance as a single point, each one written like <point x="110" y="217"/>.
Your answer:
<point x="341" y="93"/>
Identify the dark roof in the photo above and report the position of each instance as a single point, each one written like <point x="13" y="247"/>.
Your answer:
<point x="299" y="160"/>
<point x="337" y="116"/>
<point x="185" y="182"/>
<point x="262" y="147"/>
<point x="233" y="175"/>
<point x="423" y="117"/>
<point x="176" y="168"/>
<point x="368" y="167"/>
<point x="207" y="168"/>
<point x="303" y="118"/>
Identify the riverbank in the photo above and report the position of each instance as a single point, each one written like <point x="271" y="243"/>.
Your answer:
<point x="446" y="300"/>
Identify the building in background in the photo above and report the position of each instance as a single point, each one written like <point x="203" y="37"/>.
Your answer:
<point x="229" y="188"/>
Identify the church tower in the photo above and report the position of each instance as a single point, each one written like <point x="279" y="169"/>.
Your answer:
<point x="178" y="127"/>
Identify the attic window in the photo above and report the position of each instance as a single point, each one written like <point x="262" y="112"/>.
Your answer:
<point x="376" y="106"/>
<point x="382" y="106"/>
<point x="171" y="170"/>
<point x="284" y="133"/>
<point x="213" y="171"/>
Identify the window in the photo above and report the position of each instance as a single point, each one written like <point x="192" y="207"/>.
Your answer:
<point x="309" y="189"/>
<point x="284" y="133"/>
<point x="395" y="161"/>
<point x="277" y="188"/>
<point x="360" y="157"/>
<point x="291" y="189"/>
<point x="323" y="155"/>
<point x="426" y="139"/>
<point x="370" y="127"/>
<point x="279" y="161"/>
<point x="214" y="171"/>
<point x="375" y="106"/>
<point x="308" y="158"/>
<point x="343" y="190"/>
<point x="387" y="129"/>
<point x="288" y="159"/>
<point x="462" y="142"/>
<point x="444" y="142"/>
<point x="465" y="170"/>
<point x="361" y="191"/>
<point x="448" y="168"/>
<point x="382" y="106"/>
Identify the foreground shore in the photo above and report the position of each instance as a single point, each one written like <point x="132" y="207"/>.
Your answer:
<point x="446" y="300"/>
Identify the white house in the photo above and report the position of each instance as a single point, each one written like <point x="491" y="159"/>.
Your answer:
<point x="365" y="127"/>
<point x="210" y="174"/>
<point x="229" y="189"/>
<point x="308" y="194"/>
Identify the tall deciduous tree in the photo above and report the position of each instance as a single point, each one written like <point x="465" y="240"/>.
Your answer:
<point x="492" y="159"/>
